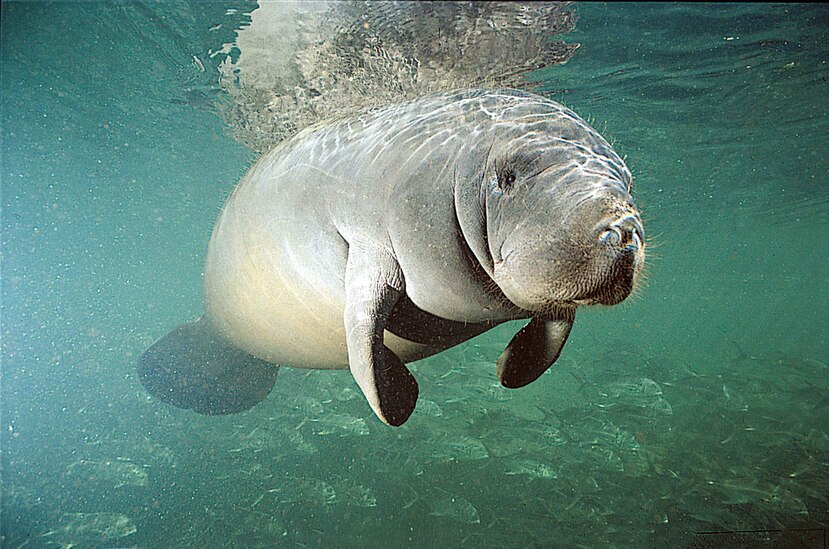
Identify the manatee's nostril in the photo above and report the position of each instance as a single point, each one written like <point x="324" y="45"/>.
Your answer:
<point x="611" y="236"/>
<point x="636" y="239"/>
<point x="624" y="233"/>
<point x="619" y="237"/>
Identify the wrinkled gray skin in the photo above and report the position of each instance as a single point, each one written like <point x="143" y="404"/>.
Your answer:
<point x="385" y="238"/>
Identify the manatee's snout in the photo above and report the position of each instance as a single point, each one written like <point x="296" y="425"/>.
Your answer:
<point x="622" y="243"/>
<point x="594" y="257"/>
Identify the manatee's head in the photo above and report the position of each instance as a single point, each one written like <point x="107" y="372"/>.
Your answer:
<point x="561" y="227"/>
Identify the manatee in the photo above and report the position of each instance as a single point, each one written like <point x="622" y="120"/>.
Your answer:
<point x="374" y="241"/>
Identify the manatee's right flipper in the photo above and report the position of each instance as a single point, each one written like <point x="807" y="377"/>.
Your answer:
<point x="194" y="368"/>
<point x="373" y="284"/>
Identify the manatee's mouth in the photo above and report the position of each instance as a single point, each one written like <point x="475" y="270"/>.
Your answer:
<point x="618" y="284"/>
<point x="609" y="291"/>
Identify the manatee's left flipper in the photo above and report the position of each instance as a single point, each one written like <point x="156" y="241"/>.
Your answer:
<point x="534" y="349"/>
<point x="373" y="284"/>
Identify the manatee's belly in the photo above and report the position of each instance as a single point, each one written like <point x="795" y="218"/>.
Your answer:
<point x="281" y="295"/>
<point x="270" y="296"/>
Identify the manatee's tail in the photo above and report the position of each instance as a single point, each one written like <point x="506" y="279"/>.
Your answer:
<point x="194" y="368"/>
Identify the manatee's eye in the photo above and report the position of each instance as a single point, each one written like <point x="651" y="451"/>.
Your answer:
<point x="504" y="182"/>
<point x="501" y="182"/>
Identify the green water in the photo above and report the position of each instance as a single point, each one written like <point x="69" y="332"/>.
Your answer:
<point x="701" y="405"/>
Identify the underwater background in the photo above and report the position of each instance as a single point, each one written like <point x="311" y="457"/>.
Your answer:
<point x="694" y="414"/>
